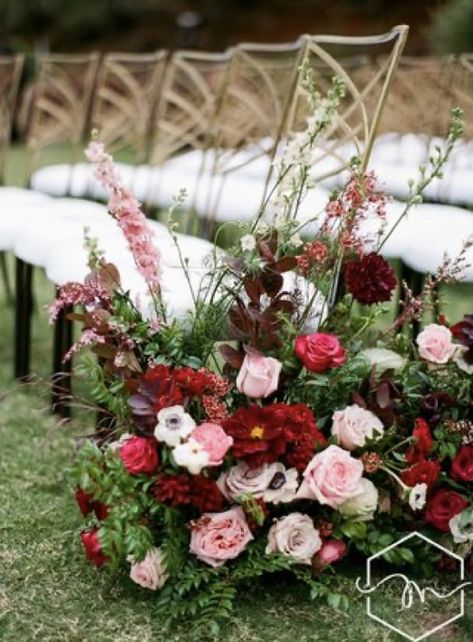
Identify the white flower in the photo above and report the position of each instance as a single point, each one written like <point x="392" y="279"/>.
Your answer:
<point x="353" y="425"/>
<point x="296" y="240"/>
<point x="174" y="424"/>
<point x="191" y="455"/>
<point x="363" y="505"/>
<point x="151" y="572"/>
<point x="383" y="359"/>
<point x="116" y="445"/>
<point x="460" y="360"/>
<point x="294" y="536"/>
<point x="283" y="485"/>
<point x="461" y="526"/>
<point x="248" y="242"/>
<point x="417" y="496"/>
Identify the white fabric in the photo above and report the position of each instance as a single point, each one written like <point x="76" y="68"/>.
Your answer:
<point x="433" y="231"/>
<point x="15" y="204"/>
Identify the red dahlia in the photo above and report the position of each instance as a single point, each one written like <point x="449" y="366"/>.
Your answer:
<point x="205" y="495"/>
<point x="370" y="279"/>
<point x="256" y="437"/>
<point x="172" y="489"/>
<point x="262" y="435"/>
<point x="93" y="547"/>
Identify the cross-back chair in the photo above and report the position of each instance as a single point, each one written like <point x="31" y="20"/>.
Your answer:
<point x="247" y="127"/>
<point x="58" y="113"/>
<point x="125" y="99"/>
<point x="366" y="89"/>
<point x="10" y="73"/>
<point x="182" y="123"/>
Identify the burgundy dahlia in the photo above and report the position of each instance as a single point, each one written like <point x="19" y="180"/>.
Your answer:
<point x="205" y="495"/>
<point x="172" y="489"/>
<point x="370" y="279"/>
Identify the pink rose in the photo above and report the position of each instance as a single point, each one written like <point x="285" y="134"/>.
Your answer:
<point x="331" y="477"/>
<point x="259" y="375"/>
<point x="151" y="572"/>
<point x="353" y="425"/>
<point x="319" y="352"/>
<point x="214" y="441"/>
<point x="435" y="344"/>
<point x="218" y="537"/>
<point x="332" y="550"/>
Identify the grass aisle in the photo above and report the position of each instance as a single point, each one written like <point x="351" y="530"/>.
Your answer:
<point x="49" y="592"/>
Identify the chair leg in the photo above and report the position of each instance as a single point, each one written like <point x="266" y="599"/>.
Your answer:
<point x="23" y="313"/>
<point x="417" y="284"/>
<point x="6" y="278"/>
<point x="62" y="371"/>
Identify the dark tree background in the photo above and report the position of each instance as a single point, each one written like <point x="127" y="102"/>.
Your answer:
<point x="139" y="25"/>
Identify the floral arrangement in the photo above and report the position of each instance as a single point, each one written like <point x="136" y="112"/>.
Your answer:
<point x="279" y="427"/>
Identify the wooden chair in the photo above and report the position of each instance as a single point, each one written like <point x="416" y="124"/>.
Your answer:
<point x="367" y="87"/>
<point x="57" y="118"/>
<point x="10" y="73"/>
<point x="181" y="125"/>
<point x="247" y="126"/>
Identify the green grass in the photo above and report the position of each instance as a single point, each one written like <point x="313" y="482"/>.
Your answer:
<point x="49" y="592"/>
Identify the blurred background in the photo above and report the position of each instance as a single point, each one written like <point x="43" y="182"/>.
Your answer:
<point x="437" y="26"/>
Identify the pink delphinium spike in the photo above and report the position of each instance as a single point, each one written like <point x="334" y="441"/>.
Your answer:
<point x="125" y="208"/>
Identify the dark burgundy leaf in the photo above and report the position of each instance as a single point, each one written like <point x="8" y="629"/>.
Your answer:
<point x="286" y="264"/>
<point x="271" y="281"/>
<point x="233" y="357"/>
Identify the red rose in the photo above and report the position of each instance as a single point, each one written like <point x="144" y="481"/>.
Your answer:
<point x="139" y="455"/>
<point x="442" y="506"/>
<point x="423" y="472"/>
<point x="84" y="501"/>
<point x="93" y="549"/>
<point x="101" y="510"/>
<point x="319" y="352"/>
<point x="462" y="465"/>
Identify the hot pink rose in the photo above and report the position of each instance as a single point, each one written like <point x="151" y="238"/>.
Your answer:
<point x="259" y="375"/>
<point x="331" y="477"/>
<point x="435" y="344"/>
<point x="218" y="537"/>
<point x="214" y="440"/>
<point x="319" y="352"/>
<point x="139" y="455"/>
<point x="332" y="550"/>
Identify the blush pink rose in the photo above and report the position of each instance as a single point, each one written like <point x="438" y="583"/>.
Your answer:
<point x="435" y="344"/>
<point x="259" y="375"/>
<point x="332" y="550"/>
<point x="320" y="352"/>
<point x="353" y="425"/>
<point x="332" y="477"/>
<point x="151" y="572"/>
<point x="218" y="537"/>
<point x="214" y="441"/>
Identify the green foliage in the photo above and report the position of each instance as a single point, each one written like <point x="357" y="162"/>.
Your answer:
<point x="452" y="27"/>
<point x="110" y="394"/>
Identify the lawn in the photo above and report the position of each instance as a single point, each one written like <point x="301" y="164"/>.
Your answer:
<point x="49" y="592"/>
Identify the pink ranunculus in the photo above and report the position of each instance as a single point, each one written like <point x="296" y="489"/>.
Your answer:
<point x="435" y="344"/>
<point x="332" y="550"/>
<point x="259" y="375"/>
<point x="320" y="352"/>
<point x="332" y="477"/>
<point x="214" y="440"/>
<point x="218" y="537"/>
<point x="353" y="425"/>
